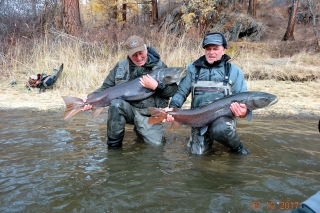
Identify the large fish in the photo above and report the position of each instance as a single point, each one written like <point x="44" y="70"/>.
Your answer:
<point x="203" y="116"/>
<point x="131" y="90"/>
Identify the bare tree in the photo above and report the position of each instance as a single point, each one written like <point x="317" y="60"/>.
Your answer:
<point x="243" y="2"/>
<point x="124" y="12"/>
<point x="71" y="16"/>
<point x="154" y="11"/>
<point x="28" y="18"/>
<point x="252" y="8"/>
<point x="311" y="6"/>
<point x="292" y="20"/>
<point x="114" y="8"/>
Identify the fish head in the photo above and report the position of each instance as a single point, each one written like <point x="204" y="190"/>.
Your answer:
<point x="169" y="75"/>
<point x="257" y="100"/>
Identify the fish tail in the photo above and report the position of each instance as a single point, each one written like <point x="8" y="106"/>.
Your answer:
<point x="73" y="106"/>
<point x="175" y="125"/>
<point x="157" y="115"/>
<point x="96" y="111"/>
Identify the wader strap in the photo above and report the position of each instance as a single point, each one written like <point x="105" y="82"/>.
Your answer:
<point x="197" y="74"/>
<point x="226" y="73"/>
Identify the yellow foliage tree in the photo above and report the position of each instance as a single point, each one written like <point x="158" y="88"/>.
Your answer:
<point x="198" y="12"/>
<point x="113" y="9"/>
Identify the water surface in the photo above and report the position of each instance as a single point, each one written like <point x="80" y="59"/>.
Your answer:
<point x="52" y="165"/>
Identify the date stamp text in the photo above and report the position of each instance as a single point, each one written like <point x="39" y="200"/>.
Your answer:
<point x="274" y="205"/>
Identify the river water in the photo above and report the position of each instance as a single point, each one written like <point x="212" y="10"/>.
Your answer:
<point x="52" y="165"/>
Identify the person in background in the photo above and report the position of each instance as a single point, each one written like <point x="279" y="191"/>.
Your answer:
<point x="208" y="79"/>
<point x="311" y="205"/>
<point x="141" y="60"/>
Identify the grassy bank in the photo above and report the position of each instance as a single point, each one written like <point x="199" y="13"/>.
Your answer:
<point x="288" y="69"/>
<point x="87" y="63"/>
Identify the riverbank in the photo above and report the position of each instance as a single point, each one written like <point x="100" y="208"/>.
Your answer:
<point x="296" y="99"/>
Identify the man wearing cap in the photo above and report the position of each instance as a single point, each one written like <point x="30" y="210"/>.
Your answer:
<point x="141" y="60"/>
<point x="210" y="78"/>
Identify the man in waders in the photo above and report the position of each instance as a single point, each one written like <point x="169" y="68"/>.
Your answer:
<point x="141" y="60"/>
<point x="208" y="79"/>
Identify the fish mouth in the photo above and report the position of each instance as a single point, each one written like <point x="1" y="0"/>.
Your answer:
<point x="181" y="73"/>
<point x="176" y="76"/>
<point x="273" y="102"/>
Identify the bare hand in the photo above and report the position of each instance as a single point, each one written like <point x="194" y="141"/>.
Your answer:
<point x="87" y="106"/>
<point x="239" y="110"/>
<point x="169" y="118"/>
<point x="148" y="82"/>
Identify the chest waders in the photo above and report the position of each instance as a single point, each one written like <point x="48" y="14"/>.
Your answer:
<point x="204" y="93"/>
<point x="122" y="112"/>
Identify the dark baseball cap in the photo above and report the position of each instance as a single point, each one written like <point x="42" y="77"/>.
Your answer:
<point x="214" y="38"/>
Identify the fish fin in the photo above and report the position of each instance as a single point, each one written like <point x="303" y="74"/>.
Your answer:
<point x="175" y="125"/>
<point x="157" y="115"/>
<point x="249" y="115"/>
<point x="96" y="111"/>
<point x="73" y="106"/>
<point x="69" y="114"/>
<point x="167" y="80"/>
<point x="175" y="109"/>
<point x="203" y="130"/>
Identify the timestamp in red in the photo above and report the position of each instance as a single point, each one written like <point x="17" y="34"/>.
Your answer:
<point x="274" y="205"/>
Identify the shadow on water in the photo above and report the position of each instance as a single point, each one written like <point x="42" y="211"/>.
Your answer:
<point x="51" y="165"/>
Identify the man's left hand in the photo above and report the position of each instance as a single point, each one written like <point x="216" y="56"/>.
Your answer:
<point x="148" y="82"/>
<point x="239" y="110"/>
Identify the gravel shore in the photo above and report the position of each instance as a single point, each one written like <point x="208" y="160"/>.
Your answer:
<point x="295" y="100"/>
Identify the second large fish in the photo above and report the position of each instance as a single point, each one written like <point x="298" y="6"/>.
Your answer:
<point x="203" y="116"/>
<point x="131" y="90"/>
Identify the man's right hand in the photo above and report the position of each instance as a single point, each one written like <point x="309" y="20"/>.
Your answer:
<point x="87" y="106"/>
<point x="169" y="118"/>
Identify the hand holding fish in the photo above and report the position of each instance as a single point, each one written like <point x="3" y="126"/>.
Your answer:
<point x="169" y="118"/>
<point x="87" y="106"/>
<point x="239" y="110"/>
<point x="148" y="82"/>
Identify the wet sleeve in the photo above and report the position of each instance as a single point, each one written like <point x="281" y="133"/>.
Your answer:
<point x="303" y="209"/>
<point x="311" y="205"/>
<point x="313" y="202"/>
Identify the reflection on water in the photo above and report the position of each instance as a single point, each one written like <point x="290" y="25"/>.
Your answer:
<point x="51" y="165"/>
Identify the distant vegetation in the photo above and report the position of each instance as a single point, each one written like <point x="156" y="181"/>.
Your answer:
<point x="89" y="56"/>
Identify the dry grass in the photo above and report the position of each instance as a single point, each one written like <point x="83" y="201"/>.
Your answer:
<point x="86" y="64"/>
<point x="260" y="62"/>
